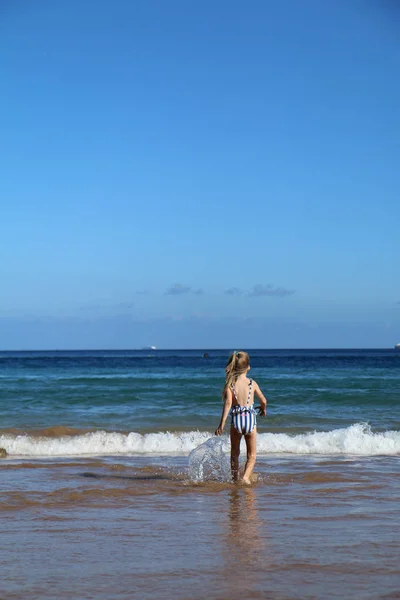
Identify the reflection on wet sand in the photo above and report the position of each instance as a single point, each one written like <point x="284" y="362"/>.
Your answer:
<point x="246" y="547"/>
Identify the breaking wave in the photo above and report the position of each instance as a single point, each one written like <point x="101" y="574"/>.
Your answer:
<point x="357" y="440"/>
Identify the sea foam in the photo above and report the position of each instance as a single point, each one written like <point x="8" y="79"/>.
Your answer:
<point x="356" y="440"/>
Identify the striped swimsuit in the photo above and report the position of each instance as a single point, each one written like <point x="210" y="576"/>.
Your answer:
<point x="243" y="417"/>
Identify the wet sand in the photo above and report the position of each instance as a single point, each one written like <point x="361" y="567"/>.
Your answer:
<point x="136" y="527"/>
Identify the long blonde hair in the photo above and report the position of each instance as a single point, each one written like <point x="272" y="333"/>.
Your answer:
<point x="237" y="364"/>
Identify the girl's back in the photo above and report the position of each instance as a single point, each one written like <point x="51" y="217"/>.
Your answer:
<point x="243" y="392"/>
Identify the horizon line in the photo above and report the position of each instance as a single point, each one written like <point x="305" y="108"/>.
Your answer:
<point x="200" y="348"/>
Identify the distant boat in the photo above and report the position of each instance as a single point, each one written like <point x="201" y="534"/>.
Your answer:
<point x="150" y="348"/>
<point x="397" y="347"/>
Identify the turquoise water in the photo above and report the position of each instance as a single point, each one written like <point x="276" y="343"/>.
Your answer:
<point x="137" y="392"/>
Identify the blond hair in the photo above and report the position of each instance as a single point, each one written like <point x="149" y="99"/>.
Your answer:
<point x="237" y="364"/>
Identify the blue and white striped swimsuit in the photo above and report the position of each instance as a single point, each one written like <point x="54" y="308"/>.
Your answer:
<point x="243" y="417"/>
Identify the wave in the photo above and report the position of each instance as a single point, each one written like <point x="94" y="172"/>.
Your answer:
<point x="358" y="440"/>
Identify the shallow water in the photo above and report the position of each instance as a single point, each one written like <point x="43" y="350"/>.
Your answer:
<point x="121" y="528"/>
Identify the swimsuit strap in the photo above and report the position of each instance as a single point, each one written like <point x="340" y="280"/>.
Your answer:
<point x="249" y="395"/>
<point x="234" y="392"/>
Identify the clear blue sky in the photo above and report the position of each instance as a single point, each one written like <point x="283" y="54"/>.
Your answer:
<point x="207" y="173"/>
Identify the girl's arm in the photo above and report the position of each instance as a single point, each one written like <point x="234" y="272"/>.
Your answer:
<point x="225" y="412"/>
<point x="261" y="397"/>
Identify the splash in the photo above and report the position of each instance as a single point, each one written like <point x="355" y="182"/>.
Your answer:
<point x="210" y="461"/>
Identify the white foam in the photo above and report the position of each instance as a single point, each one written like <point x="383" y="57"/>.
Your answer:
<point x="356" y="440"/>
<point x="103" y="443"/>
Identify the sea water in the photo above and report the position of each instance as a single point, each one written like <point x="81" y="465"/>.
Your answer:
<point x="116" y="487"/>
<point x="99" y="403"/>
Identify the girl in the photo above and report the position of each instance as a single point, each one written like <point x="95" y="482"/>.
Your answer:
<point x="238" y="395"/>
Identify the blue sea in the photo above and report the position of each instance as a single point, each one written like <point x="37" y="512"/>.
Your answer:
<point x="167" y="402"/>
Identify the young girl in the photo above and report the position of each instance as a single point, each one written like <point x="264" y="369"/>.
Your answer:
<point x="238" y="395"/>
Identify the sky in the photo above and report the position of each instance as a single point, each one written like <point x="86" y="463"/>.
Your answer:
<point x="199" y="174"/>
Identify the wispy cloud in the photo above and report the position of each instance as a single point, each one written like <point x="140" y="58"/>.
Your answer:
<point x="125" y="305"/>
<point x="178" y="289"/>
<point x="233" y="291"/>
<point x="269" y="290"/>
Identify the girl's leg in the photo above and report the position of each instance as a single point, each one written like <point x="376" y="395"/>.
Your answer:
<point x="251" y="444"/>
<point x="235" y="451"/>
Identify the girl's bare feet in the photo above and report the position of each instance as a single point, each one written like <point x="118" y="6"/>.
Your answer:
<point x="249" y="480"/>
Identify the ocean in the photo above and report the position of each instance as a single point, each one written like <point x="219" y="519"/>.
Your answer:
<point x="114" y="485"/>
